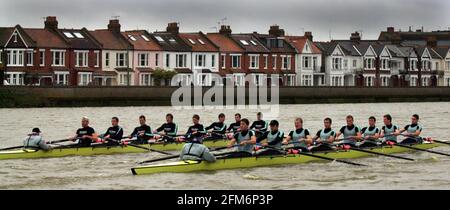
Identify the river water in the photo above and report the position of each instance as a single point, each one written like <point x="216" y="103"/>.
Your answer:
<point x="113" y="171"/>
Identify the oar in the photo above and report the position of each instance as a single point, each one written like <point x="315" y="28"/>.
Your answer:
<point x="321" y="157"/>
<point x="379" y="153"/>
<point x="442" y="142"/>
<point x="420" y="149"/>
<point x="18" y="147"/>
<point x="142" y="147"/>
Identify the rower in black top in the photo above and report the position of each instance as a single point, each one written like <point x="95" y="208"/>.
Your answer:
<point x="236" y="126"/>
<point x="195" y="131"/>
<point x="259" y="126"/>
<point x="168" y="130"/>
<point x="85" y="135"/>
<point x="142" y="133"/>
<point x="113" y="134"/>
<point x="218" y="129"/>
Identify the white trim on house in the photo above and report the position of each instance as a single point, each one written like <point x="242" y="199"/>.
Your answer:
<point x="12" y="34"/>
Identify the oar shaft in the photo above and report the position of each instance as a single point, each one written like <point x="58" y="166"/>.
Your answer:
<point x="331" y="159"/>
<point x="382" y="154"/>
<point x="424" y="150"/>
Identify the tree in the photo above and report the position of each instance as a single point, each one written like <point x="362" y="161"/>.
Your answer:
<point x="160" y="75"/>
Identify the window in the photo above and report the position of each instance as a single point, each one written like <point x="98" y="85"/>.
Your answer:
<point x="223" y="61"/>
<point x="368" y="81"/>
<point x="253" y="42"/>
<point x="286" y="62"/>
<point x="201" y="41"/>
<point x="413" y="65"/>
<point x="1" y="56"/>
<point x="254" y="61"/>
<point x="425" y="81"/>
<point x="345" y="63"/>
<point x="143" y="59"/>
<point x="167" y="60"/>
<point x="97" y="59"/>
<point x="306" y="62"/>
<point x="124" y="79"/>
<point x="16" y="78"/>
<point x="42" y="57"/>
<point x="68" y="35"/>
<point x="78" y="35"/>
<point x="120" y="59"/>
<point x="172" y="40"/>
<point x="200" y="60"/>
<point x="437" y="66"/>
<point x="235" y="61"/>
<point x="15" y="57"/>
<point x="258" y="79"/>
<point x="107" y="59"/>
<point x="131" y="37"/>
<point x="385" y="64"/>
<point x="145" y="38"/>
<point x="84" y="78"/>
<point x="213" y="61"/>
<point x="448" y="65"/>
<point x="30" y="58"/>
<point x="274" y="62"/>
<point x="426" y="65"/>
<point x="191" y="41"/>
<point x="290" y="80"/>
<point x="145" y="80"/>
<point x="336" y="81"/>
<point x="239" y="79"/>
<point x="369" y="63"/>
<point x="413" y="81"/>
<point x="62" y="78"/>
<point x="157" y="59"/>
<point x="354" y="63"/>
<point x="181" y="60"/>
<point x="314" y="65"/>
<point x="266" y="61"/>
<point x="159" y="38"/>
<point x="58" y="58"/>
<point x="244" y="42"/>
<point x="81" y="58"/>
<point x="447" y="81"/>
<point x="15" y="37"/>
<point x="307" y="80"/>
<point x="385" y="81"/>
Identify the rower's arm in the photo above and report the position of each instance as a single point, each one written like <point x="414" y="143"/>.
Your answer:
<point x="309" y="139"/>
<point x="262" y="137"/>
<point x="332" y="138"/>
<point x="359" y="135"/>
<point x="252" y="140"/>
<point x="232" y="142"/>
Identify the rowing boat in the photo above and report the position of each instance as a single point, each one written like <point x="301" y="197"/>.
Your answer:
<point x="248" y="162"/>
<point x="98" y="150"/>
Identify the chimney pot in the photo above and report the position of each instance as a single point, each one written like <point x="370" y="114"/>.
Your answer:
<point x="390" y="29"/>
<point x="308" y="35"/>
<point x="276" y="31"/>
<point x="51" y="23"/>
<point x="173" y="28"/>
<point x="225" y="30"/>
<point x="355" y="36"/>
<point x="114" y="26"/>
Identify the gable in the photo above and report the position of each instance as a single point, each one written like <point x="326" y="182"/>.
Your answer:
<point x="307" y="48"/>
<point x="385" y="53"/>
<point x="337" y="51"/>
<point x="426" y="54"/>
<point x="370" y="52"/>
<point x="16" y="40"/>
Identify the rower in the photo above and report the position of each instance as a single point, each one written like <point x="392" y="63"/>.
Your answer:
<point x="113" y="134"/>
<point x="34" y="141"/>
<point x="195" y="150"/>
<point x="371" y="134"/>
<point x="245" y="139"/>
<point x="196" y="131"/>
<point x="236" y="126"/>
<point x="324" y="138"/>
<point x="259" y="126"/>
<point x="168" y="130"/>
<point x="389" y="131"/>
<point x="86" y="134"/>
<point x="412" y="130"/>
<point x="218" y="128"/>
<point x="300" y="137"/>
<point x="142" y="133"/>
<point x="351" y="132"/>
<point x="274" y="139"/>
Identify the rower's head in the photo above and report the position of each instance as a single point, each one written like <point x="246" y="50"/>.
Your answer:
<point x="349" y="119"/>
<point x="142" y="120"/>
<point x="372" y="121"/>
<point x="85" y="122"/>
<point x="327" y="122"/>
<point x="36" y="131"/>
<point x="414" y="119"/>
<point x="114" y="121"/>
<point x="237" y="117"/>
<point x="259" y="116"/>
<point x="196" y="119"/>
<point x="298" y="123"/>
<point x="387" y="119"/>
<point x="221" y="117"/>
<point x="274" y="125"/>
<point x="244" y="124"/>
<point x="169" y="118"/>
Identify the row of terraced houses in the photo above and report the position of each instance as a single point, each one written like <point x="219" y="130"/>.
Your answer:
<point x="53" y="56"/>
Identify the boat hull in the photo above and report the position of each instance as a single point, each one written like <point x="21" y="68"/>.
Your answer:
<point x="249" y="162"/>
<point x="99" y="150"/>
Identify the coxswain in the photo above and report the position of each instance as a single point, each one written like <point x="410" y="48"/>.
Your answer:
<point x="195" y="150"/>
<point x="34" y="141"/>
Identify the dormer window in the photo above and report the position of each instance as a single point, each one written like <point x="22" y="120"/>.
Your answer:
<point x="132" y="38"/>
<point x="145" y="38"/>
<point x="78" y="35"/>
<point x="244" y="42"/>
<point x="253" y="42"/>
<point x="68" y="35"/>
<point x="191" y="41"/>
<point x="172" y="40"/>
<point x="159" y="38"/>
<point x="201" y="42"/>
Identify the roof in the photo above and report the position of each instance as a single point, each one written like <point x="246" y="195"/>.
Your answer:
<point x="275" y="44"/>
<point x="442" y="51"/>
<point x="85" y="42"/>
<point x="46" y="38"/>
<point x="110" y="40"/>
<point x="142" y="40"/>
<point x="5" y="33"/>
<point x="225" y="43"/>
<point x="299" y="42"/>
<point x="198" y="42"/>
<point x="250" y="43"/>
<point x="170" y="42"/>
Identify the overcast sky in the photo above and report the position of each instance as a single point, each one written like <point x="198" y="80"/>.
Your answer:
<point x="323" y="17"/>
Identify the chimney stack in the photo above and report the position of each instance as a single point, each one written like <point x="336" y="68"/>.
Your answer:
<point x="390" y="29"/>
<point x="432" y="41"/>
<point x="173" y="28"/>
<point x="276" y="31"/>
<point x="308" y="35"/>
<point x="225" y="30"/>
<point x="51" y="23"/>
<point x="114" y="26"/>
<point x="355" y="36"/>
